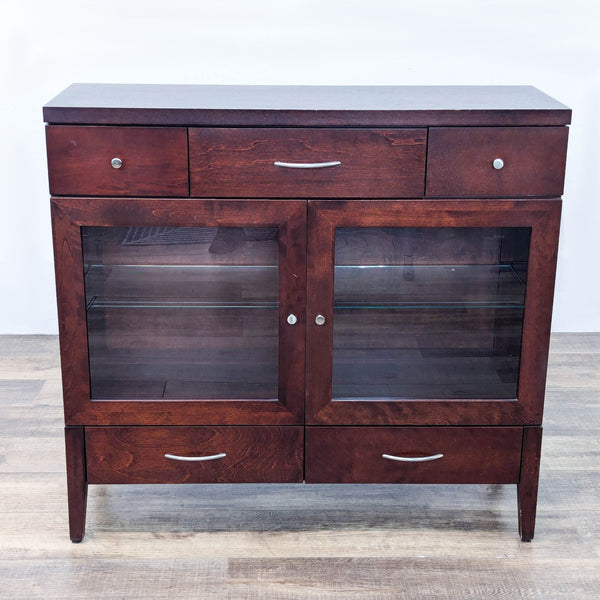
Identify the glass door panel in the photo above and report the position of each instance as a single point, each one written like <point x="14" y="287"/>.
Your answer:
<point x="182" y="312"/>
<point x="428" y="313"/>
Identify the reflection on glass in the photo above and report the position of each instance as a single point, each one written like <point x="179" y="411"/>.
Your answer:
<point x="428" y="313"/>
<point x="182" y="312"/>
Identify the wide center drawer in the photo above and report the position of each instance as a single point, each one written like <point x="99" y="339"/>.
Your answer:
<point x="297" y="163"/>
<point x="194" y="454"/>
<point x="413" y="454"/>
<point x="117" y="161"/>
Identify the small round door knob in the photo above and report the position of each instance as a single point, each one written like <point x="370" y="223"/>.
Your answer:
<point x="320" y="320"/>
<point x="498" y="163"/>
<point x="292" y="319"/>
<point x="116" y="163"/>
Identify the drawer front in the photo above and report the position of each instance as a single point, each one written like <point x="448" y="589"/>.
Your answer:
<point x="239" y="163"/>
<point x="154" y="161"/>
<point x="137" y="454"/>
<point x="460" y="161"/>
<point x="470" y="454"/>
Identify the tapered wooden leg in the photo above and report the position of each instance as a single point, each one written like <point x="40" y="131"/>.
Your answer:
<point x="76" y="481"/>
<point x="527" y="488"/>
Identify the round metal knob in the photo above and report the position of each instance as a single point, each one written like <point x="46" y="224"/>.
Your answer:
<point x="116" y="163"/>
<point x="292" y="319"/>
<point x="320" y="320"/>
<point x="498" y="163"/>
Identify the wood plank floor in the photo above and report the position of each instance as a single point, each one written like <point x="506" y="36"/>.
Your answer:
<point x="289" y="542"/>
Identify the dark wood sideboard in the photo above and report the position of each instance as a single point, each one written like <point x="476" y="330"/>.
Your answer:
<point x="318" y="284"/>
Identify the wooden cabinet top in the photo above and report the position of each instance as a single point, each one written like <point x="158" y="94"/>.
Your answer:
<point x="304" y="106"/>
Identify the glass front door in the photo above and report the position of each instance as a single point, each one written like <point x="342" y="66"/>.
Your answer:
<point x="429" y="312"/>
<point x="178" y="311"/>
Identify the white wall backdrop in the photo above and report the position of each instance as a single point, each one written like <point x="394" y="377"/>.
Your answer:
<point x="44" y="46"/>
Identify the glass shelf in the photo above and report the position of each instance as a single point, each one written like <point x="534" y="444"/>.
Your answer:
<point x="96" y="303"/>
<point x="374" y="287"/>
<point x="185" y="286"/>
<point x="428" y="286"/>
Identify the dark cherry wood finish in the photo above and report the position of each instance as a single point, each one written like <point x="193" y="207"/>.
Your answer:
<point x="238" y="163"/>
<point x="470" y="454"/>
<point x="137" y="454"/>
<point x="432" y="146"/>
<point x="304" y="106"/>
<point x="459" y="161"/>
<point x="77" y="484"/>
<point x="70" y="214"/>
<point x="542" y="216"/>
<point x="154" y="161"/>
<point x="527" y="489"/>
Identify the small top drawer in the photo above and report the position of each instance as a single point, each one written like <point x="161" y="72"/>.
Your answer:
<point x="496" y="161"/>
<point x="153" y="161"/>
<point x="318" y="163"/>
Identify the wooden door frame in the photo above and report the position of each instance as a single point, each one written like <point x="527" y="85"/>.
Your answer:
<point x="542" y="216"/>
<point x="70" y="214"/>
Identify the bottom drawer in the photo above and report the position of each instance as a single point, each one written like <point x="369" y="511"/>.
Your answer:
<point x="236" y="454"/>
<point x="440" y="454"/>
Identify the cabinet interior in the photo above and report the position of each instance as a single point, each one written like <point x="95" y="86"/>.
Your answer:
<point x="182" y="312"/>
<point x="189" y="312"/>
<point x="428" y="312"/>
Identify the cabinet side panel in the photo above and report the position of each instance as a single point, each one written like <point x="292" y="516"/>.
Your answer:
<point x="538" y="310"/>
<point x="70" y="294"/>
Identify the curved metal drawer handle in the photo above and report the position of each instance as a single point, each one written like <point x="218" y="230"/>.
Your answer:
<point x="196" y="458"/>
<point x="413" y="458"/>
<point x="319" y="165"/>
